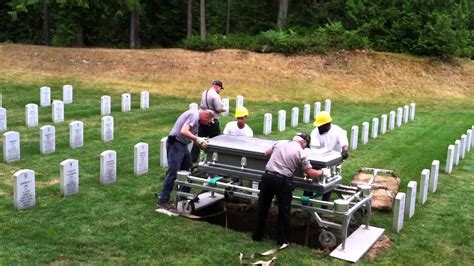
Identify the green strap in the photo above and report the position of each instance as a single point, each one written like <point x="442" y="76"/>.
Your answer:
<point x="214" y="180"/>
<point x="304" y="200"/>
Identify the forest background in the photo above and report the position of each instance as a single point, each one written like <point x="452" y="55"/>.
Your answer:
<point x="442" y="28"/>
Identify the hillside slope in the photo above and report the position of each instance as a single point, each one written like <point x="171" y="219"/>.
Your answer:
<point x="354" y="76"/>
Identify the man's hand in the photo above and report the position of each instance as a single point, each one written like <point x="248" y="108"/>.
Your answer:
<point x="201" y="142"/>
<point x="326" y="172"/>
<point x="345" y="154"/>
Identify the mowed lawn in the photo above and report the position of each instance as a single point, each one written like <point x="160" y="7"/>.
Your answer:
<point x="117" y="224"/>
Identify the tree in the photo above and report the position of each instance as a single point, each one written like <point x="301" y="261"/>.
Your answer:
<point x="189" y="31"/>
<point x="227" y="24"/>
<point x="282" y="14"/>
<point x="203" y="20"/>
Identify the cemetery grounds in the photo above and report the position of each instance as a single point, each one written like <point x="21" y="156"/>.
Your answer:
<point x="117" y="223"/>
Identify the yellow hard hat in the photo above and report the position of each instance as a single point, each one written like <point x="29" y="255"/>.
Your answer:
<point x="241" y="111"/>
<point x="322" y="118"/>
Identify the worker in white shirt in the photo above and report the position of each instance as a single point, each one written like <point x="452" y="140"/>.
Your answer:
<point x="239" y="127"/>
<point x="329" y="136"/>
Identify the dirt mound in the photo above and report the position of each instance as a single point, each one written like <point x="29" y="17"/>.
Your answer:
<point x="355" y="75"/>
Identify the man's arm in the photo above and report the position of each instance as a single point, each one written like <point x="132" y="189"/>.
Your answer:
<point x="186" y="132"/>
<point x="313" y="173"/>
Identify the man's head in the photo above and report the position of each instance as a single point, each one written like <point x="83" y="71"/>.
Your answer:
<point x="205" y="117"/>
<point x="303" y="138"/>
<point x="241" y="114"/>
<point x="323" y="122"/>
<point x="217" y="85"/>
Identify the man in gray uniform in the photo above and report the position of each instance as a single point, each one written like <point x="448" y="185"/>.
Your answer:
<point x="210" y="100"/>
<point x="184" y="131"/>
<point x="286" y="158"/>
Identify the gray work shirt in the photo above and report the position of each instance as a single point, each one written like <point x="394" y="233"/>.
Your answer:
<point x="211" y="100"/>
<point x="287" y="156"/>
<point x="191" y="118"/>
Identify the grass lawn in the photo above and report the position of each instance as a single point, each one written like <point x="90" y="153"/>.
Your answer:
<point x="117" y="223"/>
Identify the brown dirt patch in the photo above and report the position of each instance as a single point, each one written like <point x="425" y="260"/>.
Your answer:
<point x="384" y="191"/>
<point x="355" y="75"/>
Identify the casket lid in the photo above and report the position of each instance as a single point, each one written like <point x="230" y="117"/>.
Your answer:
<point x="240" y="144"/>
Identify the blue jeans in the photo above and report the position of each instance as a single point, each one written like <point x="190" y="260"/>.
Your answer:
<point x="179" y="158"/>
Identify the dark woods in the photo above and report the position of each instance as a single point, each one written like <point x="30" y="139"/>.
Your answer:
<point x="443" y="28"/>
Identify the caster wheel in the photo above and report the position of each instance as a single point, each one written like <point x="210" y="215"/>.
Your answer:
<point x="188" y="207"/>
<point x="356" y="219"/>
<point x="327" y="239"/>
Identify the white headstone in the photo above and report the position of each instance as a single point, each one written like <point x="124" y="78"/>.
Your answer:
<point x="144" y="100"/>
<point x="239" y="102"/>
<point x="58" y="111"/>
<point x="69" y="177"/>
<point x="226" y="105"/>
<point x="424" y="184"/>
<point x="11" y="146"/>
<point x="405" y="113"/>
<point x="354" y="137"/>
<point x="1" y="100"/>
<point x="472" y="137"/>
<point x="375" y="127"/>
<point x="108" y="167"/>
<point x="317" y="109"/>
<point x="411" y="200"/>
<point x="163" y="153"/>
<point x="31" y="115"/>
<point x="45" y="96"/>
<point x="193" y="106"/>
<point x="412" y="111"/>
<point x="76" y="134"/>
<point x="457" y="146"/>
<point x="450" y="159"/>
<point x="399" y="211"/>
<point x="434" y="176"/>
<point x="67" y="94"/>
<point x="24" y="194"/>
<point x="281" y="120"/>
<point x="399" y="116"/>
<point x="126" y="102"/>
<point x="107" y="128"/>
<point x="383" y="124"/>
<point x="462" y="148"/>
<point x="468" y="139"/>
<point x="327" y="105"/>
<point x="365" y="132"/>
<point x="3" y="119"/>
<point x="295" y="113"/>
<point x="105" y="105"/>
<point x="267" y="123"/>
<point x="391" y="120"/>
<point x="47" y="139"/>
<point x="140" y="158"/>
<point x="306" y="113"/>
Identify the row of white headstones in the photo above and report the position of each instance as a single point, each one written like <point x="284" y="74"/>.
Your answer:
<point x="402" y="116"/>
<point x="24" y="180"/>
<point x="11" y="139"/>
<point x="32" y="114"/>
<point x="24" y="193"/>
<point x="429" y="180"/>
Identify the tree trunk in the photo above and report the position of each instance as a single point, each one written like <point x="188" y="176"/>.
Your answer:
<point x="282" y="14"/>
<point x="134" y="29"/>
<point x="190" y="18"/>
<point x="45" y="30"/>
<point x="203" y="20"/>
<point x="227" y="25"/>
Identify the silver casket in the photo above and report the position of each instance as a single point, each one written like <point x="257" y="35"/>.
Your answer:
<point x="244" y="158"/>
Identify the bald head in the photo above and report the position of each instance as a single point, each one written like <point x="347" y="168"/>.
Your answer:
<point x="205" y="117"/>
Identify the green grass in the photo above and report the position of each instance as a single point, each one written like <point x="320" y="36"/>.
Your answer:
<point x="117" y="223"/>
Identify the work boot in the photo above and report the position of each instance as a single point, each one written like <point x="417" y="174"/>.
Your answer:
<point x="166" y="205"/>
